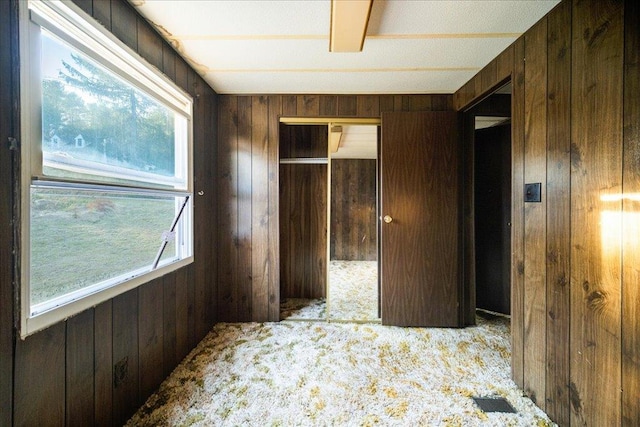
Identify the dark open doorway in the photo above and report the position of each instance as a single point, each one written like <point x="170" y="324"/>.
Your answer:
<point x="488" y="162"/>
<point x="492" y="199"/>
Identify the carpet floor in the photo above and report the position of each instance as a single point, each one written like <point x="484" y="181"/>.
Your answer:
<point x="341" y="374"/>
<point x="352" y="295"/>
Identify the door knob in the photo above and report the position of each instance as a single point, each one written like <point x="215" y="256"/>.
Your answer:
<point x="387" y="219"/>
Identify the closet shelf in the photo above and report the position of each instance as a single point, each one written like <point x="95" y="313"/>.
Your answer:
<point x="305" y="161"/>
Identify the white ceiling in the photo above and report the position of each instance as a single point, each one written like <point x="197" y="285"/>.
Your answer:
<point x="282" y="46"/>
<point x="358" y="142"/>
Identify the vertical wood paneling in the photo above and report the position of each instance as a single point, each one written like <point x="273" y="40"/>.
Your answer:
<point x="182" y="73"/>
<point x="477" y="85"/>
<point x="368" y="106"/>
<point x="203" y="190"/>
<point x="302" y="201"/>
<point x="102" y="12"/>
<point x="558" y="212"/>
<point x="67" y="370"/>
<point x="420" y="103"/>
<point x="299" y="229"/>
<point x="168" y="61"/>
<point x="517" y="216"/>
<point x="284" y="215"/>
<point x="125" y="352"/>
<point x="260" y="264"/>
<point x="149" y="45"/>
<point x="40" y="378"/>
<point x="400" y="103"/>
<point x="631" y="220"/>
<point x="387" y="103"/>
<point x="211" y="142"/>
<point x="347" y="105"/>
<point x="504" y="63"/>
<point x="489" y="76"/>
<point x="596" y="185"/>
<point x="123" y="23"/>
<point x="308" y="105"/>
<point x="284" y="257"/>
<point x="182" y="304"/>
<point x="85" y="5"/>
<point x="296" y="144"/>
<point x="290" y="105"/>
<point x="245" y="244"/>
<point x="351" y="234"/>
<point x="353" y="209"/>
<point x="275" y="109"/>
<point x="468" y="219"/>
<point x="316" y="274"/>
<point x="169" y="317"/>
<point x="328" y="105"/>
<point x="150" y="338"/>
<point x="441" y="103"/>
<point x="535" y="171"/>
<point x="193" y="89"/>
<point x="103" y="363"/>
<point x="191" y="308"/>
<point x="204" y="278"/>
<point x="591" y="220"/>
<point x="303" y="235"/>
<point x="227" y="210"/>
<point x="8" y="127"/>
<point x="79" y="385"/>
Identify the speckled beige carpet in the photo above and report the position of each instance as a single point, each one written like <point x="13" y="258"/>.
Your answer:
<point x="353" y="290"/>
<point x="341" y="374"/>
<point x="352" y="295"/>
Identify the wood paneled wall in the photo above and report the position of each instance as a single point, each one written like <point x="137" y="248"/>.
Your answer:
<point x="248" y="165"/>
<point x="303" y="230"/>
<point x="8" y="128"/>
<point x="303" y="141"/>
<point x="575" y="256"/>
<point x="303" y="212"/>
<point x="353" y="210"/>
<point x="65" y="373"/>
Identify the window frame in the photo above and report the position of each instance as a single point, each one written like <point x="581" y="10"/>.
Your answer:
<point x="68" y="22"/>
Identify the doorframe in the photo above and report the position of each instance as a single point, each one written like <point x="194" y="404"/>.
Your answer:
<point x="468" y="199"/>
<point x="358" y="121"/>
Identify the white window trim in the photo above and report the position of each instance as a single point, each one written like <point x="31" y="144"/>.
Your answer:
<point x="129" y="66"/>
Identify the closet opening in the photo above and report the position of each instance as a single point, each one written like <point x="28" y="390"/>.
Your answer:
<point x="328" y="220"/>
<point x="491" y="202"/>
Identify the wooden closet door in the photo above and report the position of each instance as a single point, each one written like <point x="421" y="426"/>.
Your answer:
<point x="419" y="196"/>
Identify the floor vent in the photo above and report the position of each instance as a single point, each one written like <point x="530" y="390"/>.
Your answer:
<point x="494" y="404"/>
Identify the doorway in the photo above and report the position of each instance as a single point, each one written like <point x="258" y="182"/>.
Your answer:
<point x="491" y="147"/>
<point x="328" y="221"/>
<point x="419" y="214"/>
<point x="352" y="287"/>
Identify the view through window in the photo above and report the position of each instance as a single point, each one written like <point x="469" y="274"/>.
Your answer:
<point x="107" y="166"/>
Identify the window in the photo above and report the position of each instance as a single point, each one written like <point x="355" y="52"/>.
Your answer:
<point x="106" y="169"/>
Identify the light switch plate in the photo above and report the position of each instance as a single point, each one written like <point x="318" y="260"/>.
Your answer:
<point x="533" y="192"/>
